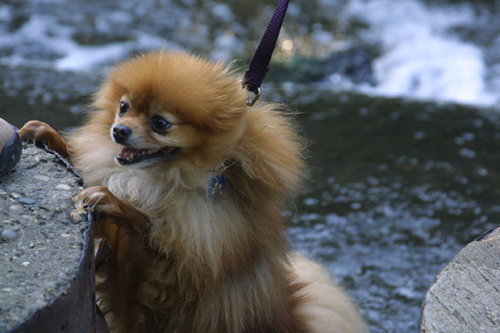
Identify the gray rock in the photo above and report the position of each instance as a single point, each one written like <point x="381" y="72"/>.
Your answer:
<point x="63" y="187"/>
<point x="30" y="241"/>
<point x="41" y="177"/>
<point x="8" y="234"/>
<point x="27" y="201"/>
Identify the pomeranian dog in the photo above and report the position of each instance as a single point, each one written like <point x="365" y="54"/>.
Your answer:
<point x="187" y="184"/>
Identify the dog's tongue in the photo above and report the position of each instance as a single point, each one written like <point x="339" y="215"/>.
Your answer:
<point x="126" y="152"/>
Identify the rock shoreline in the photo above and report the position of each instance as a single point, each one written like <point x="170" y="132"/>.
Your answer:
<point x="42" y="239"/>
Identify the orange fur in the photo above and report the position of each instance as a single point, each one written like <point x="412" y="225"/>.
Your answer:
<point x="173" y="259"/>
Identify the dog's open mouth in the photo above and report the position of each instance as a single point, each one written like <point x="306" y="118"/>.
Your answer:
<point x="128" y="155"/>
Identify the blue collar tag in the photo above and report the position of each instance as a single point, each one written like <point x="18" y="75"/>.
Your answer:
<point x="216" y="186"/>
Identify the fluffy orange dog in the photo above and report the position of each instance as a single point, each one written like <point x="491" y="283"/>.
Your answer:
<point x="187" y="184"/>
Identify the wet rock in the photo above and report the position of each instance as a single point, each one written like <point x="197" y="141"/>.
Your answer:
<point x="354" y="63"/>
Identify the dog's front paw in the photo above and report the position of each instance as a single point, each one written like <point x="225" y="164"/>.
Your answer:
<point x="99" y="200"/>
<point x="41" y="134"/>
<point x="111" y="212"/>
<point x="105" y="207"/>
<point x="37" y="132"/>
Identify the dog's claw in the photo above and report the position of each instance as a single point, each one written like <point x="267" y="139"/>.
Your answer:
<point x="91" y="197"/>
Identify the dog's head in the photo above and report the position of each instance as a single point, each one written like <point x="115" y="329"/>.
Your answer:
<point x="171" y="106"/>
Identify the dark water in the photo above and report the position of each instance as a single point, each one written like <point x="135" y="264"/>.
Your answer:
<point x="397" y="189"/>
<point x="400" y="107"/>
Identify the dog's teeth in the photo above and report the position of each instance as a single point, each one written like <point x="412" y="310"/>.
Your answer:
<point x="133" y="155"/>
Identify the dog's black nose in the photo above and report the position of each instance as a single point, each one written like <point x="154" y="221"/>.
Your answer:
<point x="121" y="133"/>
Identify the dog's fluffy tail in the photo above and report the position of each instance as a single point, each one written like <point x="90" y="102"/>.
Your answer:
<point x="325" y="307"/>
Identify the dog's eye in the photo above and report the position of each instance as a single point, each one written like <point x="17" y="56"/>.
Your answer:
<point x="159" y="124"/>
<point x="123" y="108"/>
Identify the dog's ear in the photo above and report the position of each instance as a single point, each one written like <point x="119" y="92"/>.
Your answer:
<point x="228" y="113"/>
<point x="271" y="151"/>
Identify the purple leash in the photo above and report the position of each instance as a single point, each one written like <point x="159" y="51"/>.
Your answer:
<point x="259" y="66"/>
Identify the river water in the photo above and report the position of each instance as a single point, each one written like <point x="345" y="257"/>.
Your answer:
<point x="399" y="99"/>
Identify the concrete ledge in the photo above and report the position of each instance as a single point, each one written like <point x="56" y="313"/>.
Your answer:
<point x="46" y="249"/>
<point x="465" y="296"/>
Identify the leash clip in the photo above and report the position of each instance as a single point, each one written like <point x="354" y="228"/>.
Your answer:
<point x="252" y="99"/>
